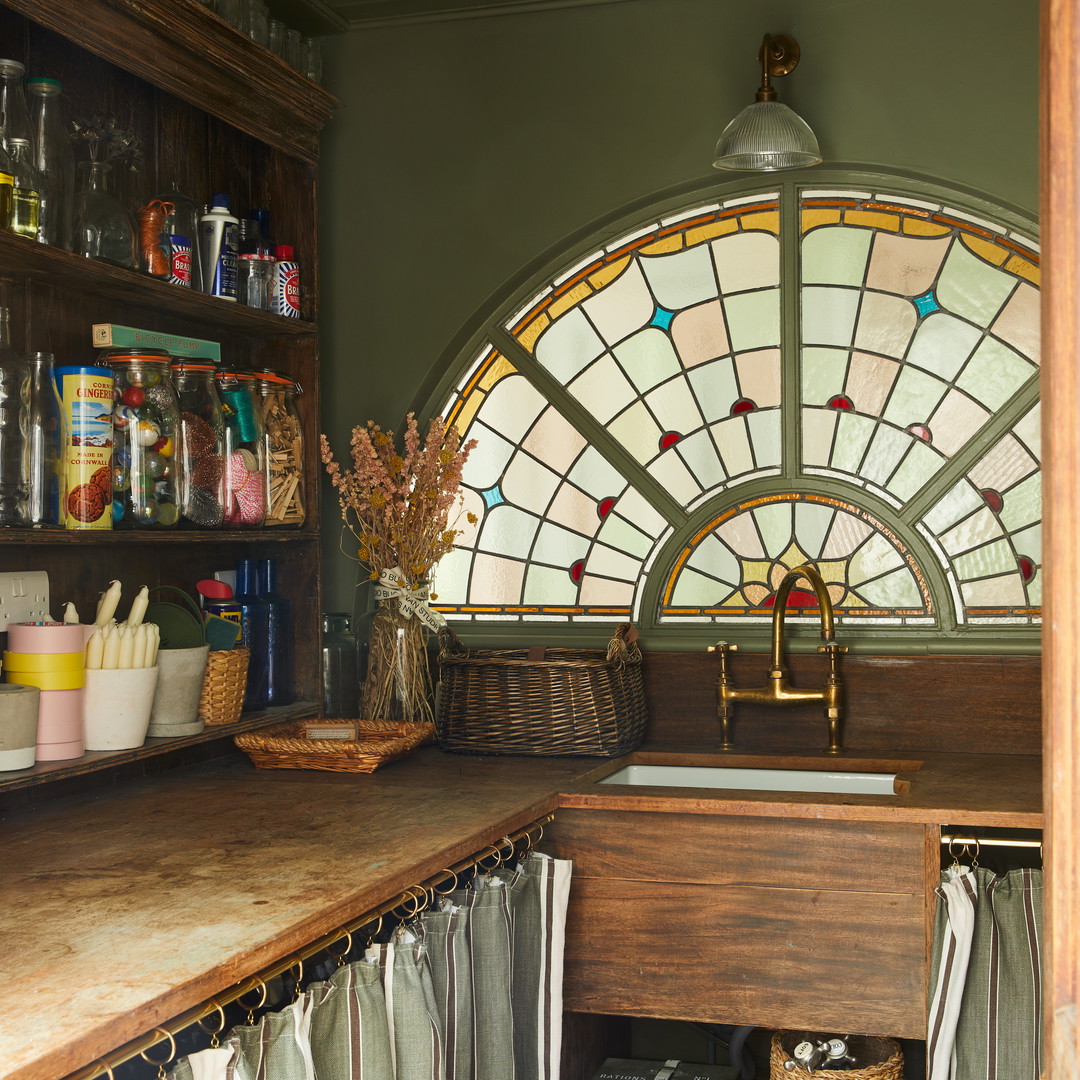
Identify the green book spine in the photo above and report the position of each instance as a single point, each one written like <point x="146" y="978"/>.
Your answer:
<point x="114" y="336"/>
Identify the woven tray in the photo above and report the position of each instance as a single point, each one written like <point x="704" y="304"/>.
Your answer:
<point x="883" y="1056"/>
<point x="285" y="746"/>
<point x="555" y="702"/>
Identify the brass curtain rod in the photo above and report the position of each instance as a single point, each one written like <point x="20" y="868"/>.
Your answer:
<point x="990" y="841"/>
<point x="415" y="899"/>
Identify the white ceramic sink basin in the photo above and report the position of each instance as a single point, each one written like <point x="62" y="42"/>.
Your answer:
<point x="720" y="776"/>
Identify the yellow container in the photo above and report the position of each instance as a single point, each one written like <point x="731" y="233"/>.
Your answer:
<point x="21" y="661"/>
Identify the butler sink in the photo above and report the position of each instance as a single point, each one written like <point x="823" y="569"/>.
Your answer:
<point x="747" y="779"/>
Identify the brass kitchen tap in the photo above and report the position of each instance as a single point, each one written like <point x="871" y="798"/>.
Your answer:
<point x="777" y="690"/>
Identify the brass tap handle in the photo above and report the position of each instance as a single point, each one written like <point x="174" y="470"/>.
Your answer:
<point x="723" y="683"/>
<point x="722" y="647"/>
<point x="831" y="647"/>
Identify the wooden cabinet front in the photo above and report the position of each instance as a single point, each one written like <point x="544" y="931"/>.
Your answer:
<point x="741" y="920"/>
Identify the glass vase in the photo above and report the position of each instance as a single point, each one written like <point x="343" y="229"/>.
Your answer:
<point x="104" y="227"/>
<point x="398" y="684"/>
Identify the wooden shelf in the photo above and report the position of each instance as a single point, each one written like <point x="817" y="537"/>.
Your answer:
<point x="111" y="537"/>
<point x="44" y="772"/>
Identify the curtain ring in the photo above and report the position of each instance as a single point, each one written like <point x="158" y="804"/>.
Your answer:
<point x="299" y="977"/>
<point x="510" y="849"/>
<point x="438" y="877"/>
<point x="373" y="934"/>
<point x="406" y="896"/>
<point x="340" y="957"/>
<point x="492" y="852"/>
<point x="103" y="1064"/>
<point x="251" y="1008"/>
<point x="164" y="1061"/>
<point x="214" y="1041"/>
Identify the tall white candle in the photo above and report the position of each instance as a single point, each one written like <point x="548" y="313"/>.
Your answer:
<point x="138" y="607"/>
<point x="110" y="656"/>
<point x="95" y="650"/>
<point x="138" y="645"/>
<point x="70" y="614"/>
<point x="127" y="647"/>
<point x="107" y="604"/>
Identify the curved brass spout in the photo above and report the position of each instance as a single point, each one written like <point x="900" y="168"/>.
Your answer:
<point x="777" y="690"/>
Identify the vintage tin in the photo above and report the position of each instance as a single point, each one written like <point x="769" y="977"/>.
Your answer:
<point x="86" y="399"/>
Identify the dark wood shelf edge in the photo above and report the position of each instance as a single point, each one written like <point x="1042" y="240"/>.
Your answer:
<point x="97" y="537"/>
<point x="45" y="772"/>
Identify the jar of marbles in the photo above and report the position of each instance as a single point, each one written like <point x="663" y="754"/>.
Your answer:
<point x="146" y="433"/>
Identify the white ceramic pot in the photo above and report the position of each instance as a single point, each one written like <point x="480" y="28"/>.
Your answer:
<point x="116" y="707"/>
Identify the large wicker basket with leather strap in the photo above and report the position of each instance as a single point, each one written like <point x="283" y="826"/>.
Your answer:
<point x="552" y="702"/>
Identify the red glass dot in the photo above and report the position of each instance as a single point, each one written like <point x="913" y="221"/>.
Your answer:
<point x="841" y="401"/>
<point x="921" y="431"/>
<point x="669" y="438"/>
<point x="604" y="507"/>
<point x="797" y="598"/>
<point x="993" y="499"/>
<point x="577" y="571"/>
<point x="1027" y="567"/>
<point x="744" y="404"/>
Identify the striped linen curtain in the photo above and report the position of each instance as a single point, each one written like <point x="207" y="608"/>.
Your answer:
<point x="986" y="976"/>
<point x="471" y="991"/>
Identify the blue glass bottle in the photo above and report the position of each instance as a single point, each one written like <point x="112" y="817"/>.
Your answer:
<point x="279" y="682"/>
<point x="254" y="634"/>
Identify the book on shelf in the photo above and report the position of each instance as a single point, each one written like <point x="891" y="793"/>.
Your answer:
<point x="115" y="336"/>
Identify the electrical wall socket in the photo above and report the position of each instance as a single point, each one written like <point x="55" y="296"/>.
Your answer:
<point x="24" y="597"/>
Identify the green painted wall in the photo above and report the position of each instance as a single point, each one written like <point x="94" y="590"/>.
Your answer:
<point x="467" y="148"/>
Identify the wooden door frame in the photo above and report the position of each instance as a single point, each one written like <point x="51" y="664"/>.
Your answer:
<point x="1060" y="198"/>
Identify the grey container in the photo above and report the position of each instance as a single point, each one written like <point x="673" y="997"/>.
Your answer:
<point x="176" y="700"/>
<point x="18" y="726"/>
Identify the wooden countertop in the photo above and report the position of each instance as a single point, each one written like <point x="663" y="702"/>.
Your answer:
<point x="123" y="910"/>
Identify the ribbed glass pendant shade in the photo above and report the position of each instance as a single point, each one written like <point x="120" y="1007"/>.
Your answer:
<point x="766" y="136"/>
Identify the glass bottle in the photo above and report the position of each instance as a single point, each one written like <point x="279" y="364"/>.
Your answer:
<point x="7" y="186"/>
<point x="340" y="668"/>
<point x="14" y="115"/>
<point x="279" y="658"/>
<point x="55" y="160"/>
<point x="44" y="437"/>
<point x="245" y="453"/>
<point x="146" y="430"/>
<point x="284" y="441"/>
<point x="14" y="417"/>
<point x="202" y="446"/>
<point x="254" y="634"/>
<point x="26" y="193"/>
<point x="254" y="269"/>
<point x="183" y="225"/>
<point x="104" y="227"/>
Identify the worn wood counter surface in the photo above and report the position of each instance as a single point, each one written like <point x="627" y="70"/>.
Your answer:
<point x="123" y="910"/>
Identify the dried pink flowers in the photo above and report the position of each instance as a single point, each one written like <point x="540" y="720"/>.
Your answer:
<point x="398" y="501"/>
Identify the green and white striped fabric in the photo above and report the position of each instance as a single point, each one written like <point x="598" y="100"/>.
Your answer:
<point x="349" y="1030"/>
<point x="986" y="977"/>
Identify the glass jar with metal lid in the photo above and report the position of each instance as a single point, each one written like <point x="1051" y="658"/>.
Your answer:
<point x="202" y="445"/>
<point x="146" y="430"/>
<point x="284" y="441"/>
<point x="245" y="452"/>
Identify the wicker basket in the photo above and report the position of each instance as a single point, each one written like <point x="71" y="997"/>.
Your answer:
<point x="555" y="702"/>
<point x="883" y="1057"/>
<point x="222" y="698"/>
<point x="285" y="746"/>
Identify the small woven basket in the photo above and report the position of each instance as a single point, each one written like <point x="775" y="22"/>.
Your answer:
<point x="554" y="702"/>
<point x="883" y="1057"/>
<point x="222" y="698"/>
<point x="285" y="746"/>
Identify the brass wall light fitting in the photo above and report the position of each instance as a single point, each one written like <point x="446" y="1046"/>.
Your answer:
<point x="767" y="135"/>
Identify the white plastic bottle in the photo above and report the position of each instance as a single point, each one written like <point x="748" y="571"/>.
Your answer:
<point x="218" y="240"/>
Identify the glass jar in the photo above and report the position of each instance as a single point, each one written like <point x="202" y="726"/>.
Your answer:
<point x="284" y="442"/>
<point x="202" y="446"/>
<point x="14" y="415"/>
<point x="146" y="432"/>
<point x="340" y="668"/>
<point x="104" y="227"/>
<point x="26" y="193"/>
<point x="43" y="433"/>
<point x="245" y="452"/>
<point x="14" y="115"/>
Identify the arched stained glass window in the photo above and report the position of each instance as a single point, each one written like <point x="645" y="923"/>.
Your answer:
<point x="674" y="417"/>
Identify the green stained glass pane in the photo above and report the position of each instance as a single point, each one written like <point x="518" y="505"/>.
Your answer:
<point x="674" y="406"/>
<point x="1004" y="591"/>
<point x="835" y="256"/>
<point x="971" y="287"/>
<point x="853" y="434"/>
<point x="557" y="546"/>
<point x="617" y="533"/>
<point x="1029" y="430"/>
<point x="568" y="345"/>
<point x="715" y="387"/>
<point x="960" y="501"/>
<point x="594" y="474"/>
<point x="775" y="524"/>
<point x="818" y="427"/>
<point x="637" y="431"/>
<point x="1029" y="542"/>
<point x="548" y="585"/>
<point x="487" y="461"/>
<point x="603" y="389"/>
<point x="507" y="528"/>
<point x="874" y="558"/>
<point x="716" y="559"/>
<point x="942" y="344"/>
<point x="733" y="443"/>
<point x="648" y="358"/>
<point x="993" y="558"/>
<point x="1034" y="590"/>
<point x="1023" y="504"/>
<point x="670" y="471"/>
<point x="898" y="589"/>
<point x="828" y="315"/>
<point x="607" y="562"/>
<point x="994" y="373"/>
<point x="823" y="374"/>
<point x="763" y="426"/>
<point x="699" y="453"/>
<point x="812" y="521"/>
<point x="624" y="306"/>
<point x="753" y="320"/>
<point x="451" y="575"/>
<point x="914" y="397"/>
<point x="681" y="279"/>
<point x="694" y="589"/>
<point x="917" y="468"/>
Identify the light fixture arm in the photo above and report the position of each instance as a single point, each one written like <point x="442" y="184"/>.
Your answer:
<point x="779" y="55"/>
